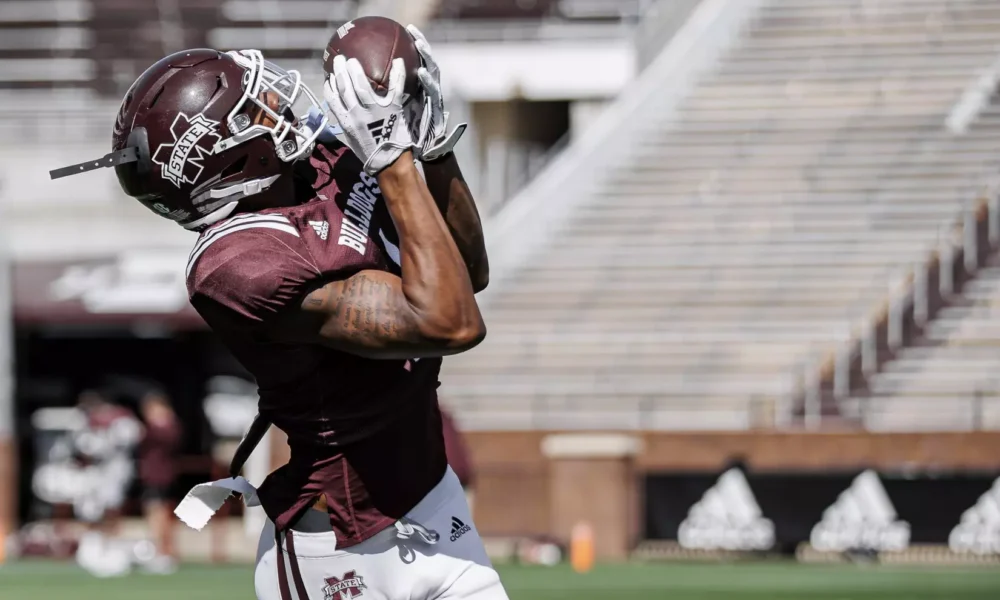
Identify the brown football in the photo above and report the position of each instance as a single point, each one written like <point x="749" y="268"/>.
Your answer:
<point x="376" y="42"/>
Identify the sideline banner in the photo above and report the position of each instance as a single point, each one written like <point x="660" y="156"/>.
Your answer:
<point x="831" y="511"/>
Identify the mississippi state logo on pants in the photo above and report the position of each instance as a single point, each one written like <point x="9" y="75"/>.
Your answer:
<point x="346" y="587"/>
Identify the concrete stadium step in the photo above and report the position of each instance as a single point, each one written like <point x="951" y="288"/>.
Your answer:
<point x="973" y="328"/>
<point x="849" y="177"/>
<point x="978" y="312"/>
<point x="561" y="340"/>
<point x="799" y="109"/>
<point x="929" y="386"/>
<point x="792" y="102"/>
<point x="963" y="353"/>
<point x="852" y="59"/>
<point x="795" y="41"/>
<point x="726" y="414"/>
<point x="585" y="364"/>
<point x="961" y="77"/>
<point x="764" y="54"/>
<point x="610" y="385"/>
<point x="552" y="268"/>
<point x="784" y="225"/>
<point x="772" y="202"/>
<point x="702" y="138"/>
<point x="782" y="186"/>
<point x="889" y="85"/>
<point x="711" y="254"/>
<point x="705" y="317"/>
<point x="861" y="9"/>
<point x="865" y="155"/>
<point x="913" y="413"/>
<point x="720" y="288"/>
<point x="728" y="285"/>
<point x="603" y="297"/>
<point x="964" y="68"/>
<point x="787" y="239"/>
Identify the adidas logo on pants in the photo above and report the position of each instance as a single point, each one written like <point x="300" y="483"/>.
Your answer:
<point x="458" y="528"/>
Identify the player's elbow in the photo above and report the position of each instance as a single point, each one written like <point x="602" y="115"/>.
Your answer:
<point x="481" y="278"/>
<point x="480" y="275"/>
<point x="470" y="337"/>
<point x="457" y="335"/>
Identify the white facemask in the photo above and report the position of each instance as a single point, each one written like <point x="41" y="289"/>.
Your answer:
<point x="292" y="140"/>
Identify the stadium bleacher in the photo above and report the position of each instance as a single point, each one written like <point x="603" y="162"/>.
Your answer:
<point x="507" y="20"/>
<point x="755" y="230"/>
<point x="597" y="10"/>
<point x="949" y="379"/>
<point x="296" y="30"/>
<point x="45" y="43"/>
<point x="98" y="45"/>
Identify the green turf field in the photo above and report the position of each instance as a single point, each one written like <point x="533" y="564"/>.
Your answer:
<point x="781" y="581"/>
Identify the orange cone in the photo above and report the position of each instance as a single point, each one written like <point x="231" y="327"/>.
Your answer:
<point x="581" y="547"/>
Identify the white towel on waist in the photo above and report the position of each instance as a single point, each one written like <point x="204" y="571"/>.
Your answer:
<point x="205" y="499"/>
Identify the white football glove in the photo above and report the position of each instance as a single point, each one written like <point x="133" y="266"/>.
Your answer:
<point x="374" y="126"/>
<point x="433" y="140"/>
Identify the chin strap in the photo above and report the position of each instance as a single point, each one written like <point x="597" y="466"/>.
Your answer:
<point x="111" y="159"/>
<point x="246" y="188"/>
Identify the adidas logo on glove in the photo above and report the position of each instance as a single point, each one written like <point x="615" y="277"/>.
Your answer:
<point x="382" y="128"/>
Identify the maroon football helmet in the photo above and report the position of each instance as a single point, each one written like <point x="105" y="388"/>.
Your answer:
<point x="202" y="130"/>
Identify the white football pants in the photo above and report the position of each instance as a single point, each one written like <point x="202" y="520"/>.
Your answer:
<point x="433" y="553"/>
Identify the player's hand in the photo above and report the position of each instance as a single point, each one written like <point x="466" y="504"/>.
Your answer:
<point x="433" y="139"/>
<point x="374" y="126"/>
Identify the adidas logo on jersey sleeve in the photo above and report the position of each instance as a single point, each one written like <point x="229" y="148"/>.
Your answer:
<point x="727" y="518"/>
<point x="978" y="531"/>
<point x="862" y="517"/>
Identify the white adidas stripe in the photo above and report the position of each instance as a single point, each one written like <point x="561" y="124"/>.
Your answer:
<point x="243" y="226"/>
<point x="209" y="236"/>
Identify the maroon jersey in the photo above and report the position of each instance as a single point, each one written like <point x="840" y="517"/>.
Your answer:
<point x="364" y="433"/>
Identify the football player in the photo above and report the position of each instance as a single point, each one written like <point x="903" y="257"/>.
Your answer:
<point x="339" y="277"/>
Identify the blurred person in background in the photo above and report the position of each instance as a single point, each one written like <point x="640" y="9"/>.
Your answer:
<point x="157" y="470"/>
<point x="104" y="450"/>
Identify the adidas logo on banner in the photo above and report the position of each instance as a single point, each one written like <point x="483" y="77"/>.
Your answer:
<point x="322" y="229"/>
<point x="458" y="528"/>
<point x="727" y="518"/>
<point x="979" y="530"/>
<point x="862" y="517"/>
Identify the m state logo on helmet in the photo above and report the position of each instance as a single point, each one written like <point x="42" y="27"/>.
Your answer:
<point x="182" y="160"/>
<point x="202" y="130"/>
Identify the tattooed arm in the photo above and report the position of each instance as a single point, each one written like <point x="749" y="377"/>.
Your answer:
<point x="430" y="310"/>
<point x="455" y="201"/>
